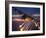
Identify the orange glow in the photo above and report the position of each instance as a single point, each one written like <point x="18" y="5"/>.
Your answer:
<point x="18" y="19"/>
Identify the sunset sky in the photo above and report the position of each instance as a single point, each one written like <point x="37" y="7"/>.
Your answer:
<point x="25" y="10"/>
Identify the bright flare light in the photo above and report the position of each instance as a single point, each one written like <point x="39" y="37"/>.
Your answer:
<point x="22" y="29"/>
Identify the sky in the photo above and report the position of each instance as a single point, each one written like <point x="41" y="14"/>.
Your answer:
<point x="25" y="10"/>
